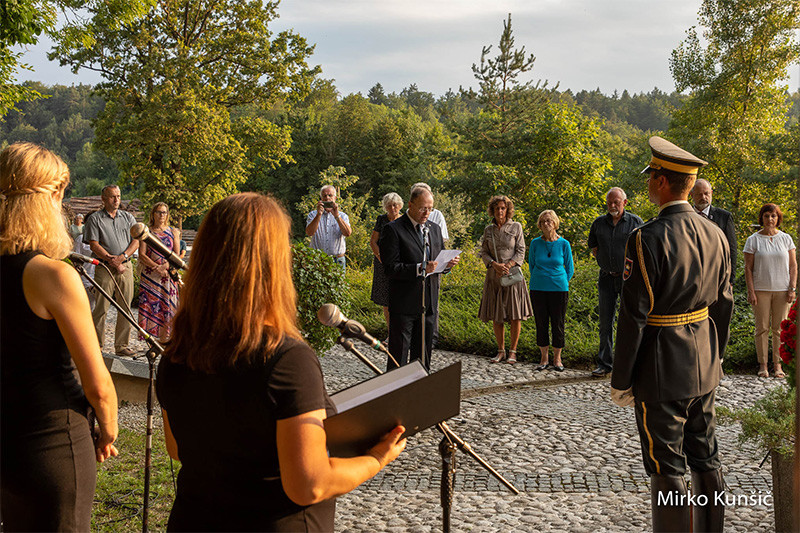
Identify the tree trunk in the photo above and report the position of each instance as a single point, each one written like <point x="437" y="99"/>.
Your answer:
<point x="782" y="485"/>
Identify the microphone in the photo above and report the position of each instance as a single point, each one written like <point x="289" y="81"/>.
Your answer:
<point x="140" y="232"/>
<point x="80" y="258"/>
<point x="426" y="235"/>
<point x="330" y="315"/>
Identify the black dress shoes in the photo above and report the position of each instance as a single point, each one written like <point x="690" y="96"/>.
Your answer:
<point x="600" y="372"/>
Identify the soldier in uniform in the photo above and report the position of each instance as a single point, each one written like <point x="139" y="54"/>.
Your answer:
<point x="667" y="359"/>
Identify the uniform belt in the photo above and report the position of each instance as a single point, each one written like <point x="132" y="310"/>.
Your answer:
<point x="665" y="321"/>
<point x="337" y="256"/>
<point x="609" y="273"/>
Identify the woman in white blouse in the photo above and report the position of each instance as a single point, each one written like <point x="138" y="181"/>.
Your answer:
<point x="770" y="269"/>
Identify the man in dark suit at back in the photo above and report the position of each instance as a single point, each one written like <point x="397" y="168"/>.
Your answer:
<point x="408" y="247"/>
<point x="701" y="197"/>
<point x="667" y="359"/>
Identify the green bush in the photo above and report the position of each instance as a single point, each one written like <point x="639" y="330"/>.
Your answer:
<point x="769" y="423"/>
<point x="318" y="280"/>
<point x="741" y="351"/>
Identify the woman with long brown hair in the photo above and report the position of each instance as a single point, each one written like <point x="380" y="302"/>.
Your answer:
<point x="47" y="450"/>
<point x="243" y="395"/>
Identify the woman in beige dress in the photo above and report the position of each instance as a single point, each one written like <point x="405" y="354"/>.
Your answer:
<point x="503" y="247"/>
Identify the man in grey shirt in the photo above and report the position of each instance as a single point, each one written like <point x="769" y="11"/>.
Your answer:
<point x="607" y="238"/>
<point x="108" y="233"/>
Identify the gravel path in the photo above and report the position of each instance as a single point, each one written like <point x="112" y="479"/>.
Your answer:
<point x="557" y="437"/>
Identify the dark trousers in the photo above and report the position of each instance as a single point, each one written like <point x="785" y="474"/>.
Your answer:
<point x="405" y="334"/>
<point x="608" y="288"/>
<point x="549" y="311"/>
<point x="676" y="432"/>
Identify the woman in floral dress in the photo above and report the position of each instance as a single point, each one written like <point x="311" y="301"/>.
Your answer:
<point x="158" y="293"/>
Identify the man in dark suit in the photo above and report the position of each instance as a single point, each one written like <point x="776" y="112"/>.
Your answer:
<point x="408" y="248"/>
<point x="668" y="352"/>
<point x="701" y="197"/>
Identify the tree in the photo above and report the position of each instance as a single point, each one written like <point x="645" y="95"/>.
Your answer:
<point x="526" y="143"/>
<point x="737" y="98"/>
<point x="377" y="96"/>
<point x="23" y="22"/>
<point x="173" y="81"/>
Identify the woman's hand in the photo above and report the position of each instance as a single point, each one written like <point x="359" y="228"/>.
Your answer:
<point x="104" y="446"/>
<point x="389" y="447"/>
<point x="500" y="269"/>
<point x="751" y="298"/>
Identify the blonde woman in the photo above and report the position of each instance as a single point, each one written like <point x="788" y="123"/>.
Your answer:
<point x="551" y="265"/>
<point x="243" y="394"/>
<point x="158" y="293"/>
<point x="47" y="449"/>
<point x="392" y="204"/>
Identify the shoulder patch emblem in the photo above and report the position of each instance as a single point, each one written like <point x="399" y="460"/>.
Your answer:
<point x="628" y="268"/>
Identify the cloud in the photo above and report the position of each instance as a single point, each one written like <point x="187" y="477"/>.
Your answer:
<point x="583" y="44"/>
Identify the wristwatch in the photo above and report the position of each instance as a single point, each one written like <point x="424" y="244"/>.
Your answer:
<point x="125" y="256"/>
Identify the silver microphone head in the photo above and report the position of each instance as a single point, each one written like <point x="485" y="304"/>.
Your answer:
<point x="139" y="231"/>
<point x="330" y="315"/>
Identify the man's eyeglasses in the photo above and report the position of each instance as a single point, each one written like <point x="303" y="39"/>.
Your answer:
<point x="424" y="209"/>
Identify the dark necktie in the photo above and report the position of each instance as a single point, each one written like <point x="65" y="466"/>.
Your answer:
<point x="420" y="236"/>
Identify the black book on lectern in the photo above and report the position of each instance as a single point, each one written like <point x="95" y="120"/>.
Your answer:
<point x="407" y="395"/>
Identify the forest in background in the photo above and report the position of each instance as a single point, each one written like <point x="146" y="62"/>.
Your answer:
<point x="378" y="143"/>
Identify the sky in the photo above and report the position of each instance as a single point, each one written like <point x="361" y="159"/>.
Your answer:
<point x="580" y="44"/>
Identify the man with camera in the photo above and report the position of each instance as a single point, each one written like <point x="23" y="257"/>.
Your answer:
<point x="328" y="227"/>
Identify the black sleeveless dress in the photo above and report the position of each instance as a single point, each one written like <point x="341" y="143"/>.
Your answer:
<point x="47" y="462"/>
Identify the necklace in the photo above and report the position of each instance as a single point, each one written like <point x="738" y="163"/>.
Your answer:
<point x="549" y="245"/>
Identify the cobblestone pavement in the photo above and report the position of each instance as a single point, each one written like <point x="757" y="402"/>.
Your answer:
<point x="557" y="437"/>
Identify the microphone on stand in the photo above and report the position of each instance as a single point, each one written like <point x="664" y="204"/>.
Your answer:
<point x="425" y="244"/>
<point x="80" y="258"/>
<point x="140" y="232"/>
<point x="331" y="315"/>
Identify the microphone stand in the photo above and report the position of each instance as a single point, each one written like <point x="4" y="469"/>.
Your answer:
<point x="447" y="447"/>
<point x="154" y="351"/>
<point x="426" y="362"/>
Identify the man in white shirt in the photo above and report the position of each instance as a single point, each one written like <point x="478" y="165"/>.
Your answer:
<point x="328" y="227"/>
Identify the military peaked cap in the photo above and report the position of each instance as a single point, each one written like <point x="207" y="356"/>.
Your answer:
<point x="670" y="157"/>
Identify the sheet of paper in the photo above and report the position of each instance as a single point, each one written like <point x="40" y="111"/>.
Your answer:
<point x="444" y="257"/>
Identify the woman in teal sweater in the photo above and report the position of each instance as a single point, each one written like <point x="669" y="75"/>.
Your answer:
<point x="550" y="259"/>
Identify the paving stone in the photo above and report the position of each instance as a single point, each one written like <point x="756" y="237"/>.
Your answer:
<point x="556" y="436"/>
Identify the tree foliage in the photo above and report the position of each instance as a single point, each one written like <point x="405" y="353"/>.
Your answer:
<point x="526" y="142"/>
<point x="23" y="22"/>
<point x="737" y="88"/>
<point x="173" y="80"/>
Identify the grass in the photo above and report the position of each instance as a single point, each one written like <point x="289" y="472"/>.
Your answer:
<point x="120" y="485"/>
